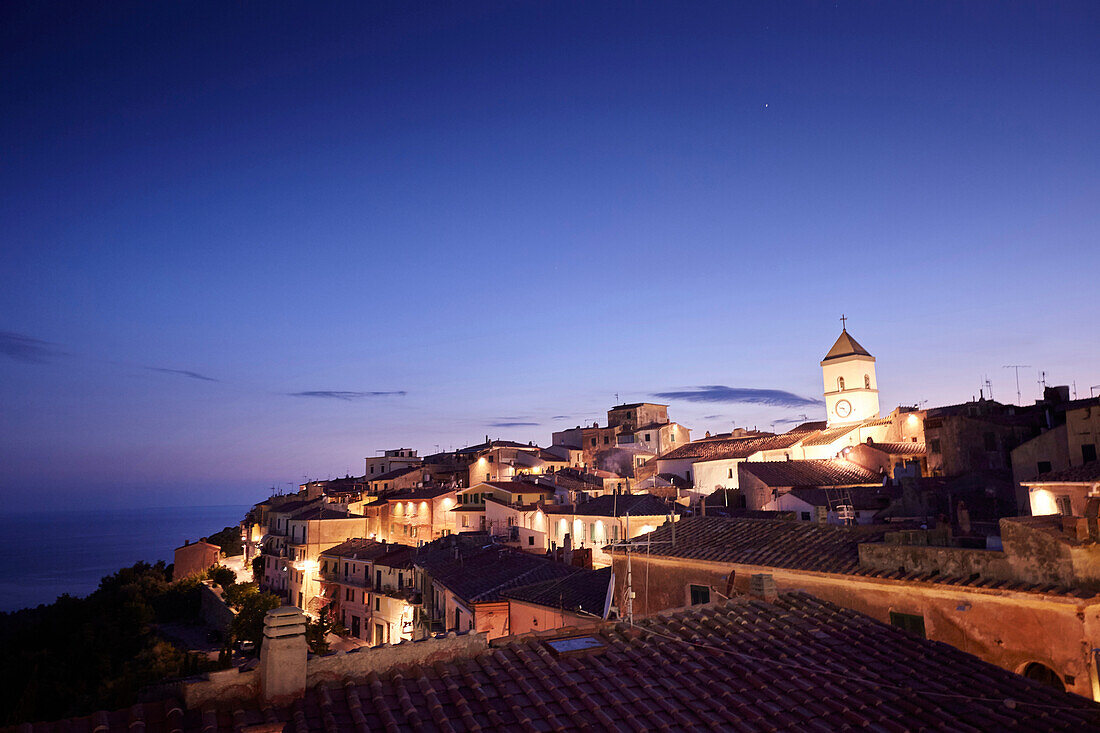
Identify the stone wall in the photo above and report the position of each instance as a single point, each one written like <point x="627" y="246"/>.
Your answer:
<point x="956" y="562"/>
<point x="218" y="689"/>
<point x="1041" y="551"/>
<point x="358" y="663"/>
<point x="224" y="688"/>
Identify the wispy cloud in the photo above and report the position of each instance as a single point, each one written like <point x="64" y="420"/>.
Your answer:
<point x="713" y="417"/>
<point x="747" y="395"/>
<point x="183" y="373"/>
<point x="347" y="396"/>
<point x="561" y="417"/>
<point x="518" y="424"/>
<point x="26" y="349"/>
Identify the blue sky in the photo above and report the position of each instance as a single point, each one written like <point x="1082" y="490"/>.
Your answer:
<point x="501" y="215"/>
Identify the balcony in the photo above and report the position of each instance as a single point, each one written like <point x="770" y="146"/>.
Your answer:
<point x="350" y="581"/>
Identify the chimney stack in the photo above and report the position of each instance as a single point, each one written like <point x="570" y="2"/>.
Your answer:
<point x="762" y="586"/>
<point x="283" y="656"/>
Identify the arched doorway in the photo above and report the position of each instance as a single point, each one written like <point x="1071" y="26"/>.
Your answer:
<point x="1045" y="675"/>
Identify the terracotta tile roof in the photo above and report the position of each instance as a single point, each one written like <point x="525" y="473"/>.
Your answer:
<point x="741" y="665"/>
<point x="870" y="499"/>
<point x="364" y="549"/>
<point x="810" y="472"/>
<point x="588" y="591"/>
<point x="831" y="435"/>
<point x="473" y="449"/>
<point x="676" y="480"/>
<point x="764" y="542"/>
<point x="481" y="576"/>
<point x="1087" y="473"/>
<point x="395" y="473"/>
<point x="427" y="492"/>
<point x="509" y="486"/>
<point x="610" y="505"/>
<point x="716" y="449"/>
<point x="294" y="506"/>
<point x="322" y="512"/>
<point x="900" y="449"/>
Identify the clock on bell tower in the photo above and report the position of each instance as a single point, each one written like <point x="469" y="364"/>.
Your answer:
<point x="851" y="388"/>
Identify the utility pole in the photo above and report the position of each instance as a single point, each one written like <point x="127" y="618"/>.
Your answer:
<point x="629" y="590"/>
<point x="1017" y="367"/>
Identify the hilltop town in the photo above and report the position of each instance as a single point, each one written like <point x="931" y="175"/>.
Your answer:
<point x="850" y="544"/>
<point x="939" y="520"/>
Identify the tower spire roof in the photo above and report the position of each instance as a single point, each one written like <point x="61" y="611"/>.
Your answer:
<point x="845" y="346"/>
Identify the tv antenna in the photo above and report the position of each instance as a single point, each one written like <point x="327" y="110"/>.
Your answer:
<point x="1043" y="379"/>
<point x="1017" y="367"/>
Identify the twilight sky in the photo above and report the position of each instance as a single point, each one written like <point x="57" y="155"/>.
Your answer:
<point x="248" y="242"/>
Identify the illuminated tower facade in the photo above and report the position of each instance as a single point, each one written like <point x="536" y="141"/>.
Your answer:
<point x="851" y="388"/>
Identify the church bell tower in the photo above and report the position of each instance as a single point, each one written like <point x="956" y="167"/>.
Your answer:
<point x="851" y="389"/>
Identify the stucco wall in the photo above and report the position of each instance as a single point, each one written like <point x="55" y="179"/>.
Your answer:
<point x="1083" y="428"/>
<point x="526" y="617"/>
<point x="712" y="475"/>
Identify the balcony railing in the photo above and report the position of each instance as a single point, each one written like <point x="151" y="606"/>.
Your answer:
<point x="350" y="581"/>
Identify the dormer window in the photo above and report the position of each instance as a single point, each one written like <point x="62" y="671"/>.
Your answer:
<point x="840" y="384"/>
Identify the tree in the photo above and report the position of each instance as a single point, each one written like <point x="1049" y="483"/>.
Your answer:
<point x="222" y="576"/>
<point x="229" y="539"/>
<point x="316" y="631"/>
<point x="251" y="606"/>
<point x="83" y="654"/>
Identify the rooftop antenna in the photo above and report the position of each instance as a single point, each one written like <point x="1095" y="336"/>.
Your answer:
<point x="1018" y="367"/>
<point x="989" y="387"/>
<point x="1043" y="379"/>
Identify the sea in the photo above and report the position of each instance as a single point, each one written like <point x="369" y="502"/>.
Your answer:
<point x="46" y="554"/>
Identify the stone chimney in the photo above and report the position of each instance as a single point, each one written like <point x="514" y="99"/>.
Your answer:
<point x="762" y="586"/>
<point x="283" y="656"/>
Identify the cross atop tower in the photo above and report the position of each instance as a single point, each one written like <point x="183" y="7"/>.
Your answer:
<point x="843" y="324"/>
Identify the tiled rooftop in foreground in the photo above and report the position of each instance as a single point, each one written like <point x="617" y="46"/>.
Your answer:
<point x="743" y="665"/>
